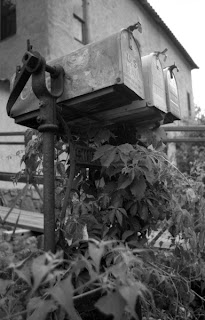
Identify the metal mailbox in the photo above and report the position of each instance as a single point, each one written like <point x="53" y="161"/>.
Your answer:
<point x="99" y="77"/>
<point x="172" y="95"/>
<point x="153" y="108"/>
<point x="154" y="85"/>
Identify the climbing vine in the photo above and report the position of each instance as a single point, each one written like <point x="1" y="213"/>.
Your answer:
<point x="109" y="216"/>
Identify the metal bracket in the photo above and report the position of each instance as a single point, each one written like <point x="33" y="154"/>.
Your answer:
<point x="130" y="29"/>
<point x="158" y="53"/>
<point x="34" y="64"/>
<point x="171" y="69"/>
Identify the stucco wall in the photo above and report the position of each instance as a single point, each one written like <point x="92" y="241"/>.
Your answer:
<point x="60" y="28"/>
<point x="31" y="24"/>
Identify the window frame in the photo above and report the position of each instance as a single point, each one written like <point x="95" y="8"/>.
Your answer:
<point x="83" y="23"/>
<point x="189" y="104"/>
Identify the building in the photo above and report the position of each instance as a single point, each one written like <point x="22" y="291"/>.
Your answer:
<point x="56" y="28"/>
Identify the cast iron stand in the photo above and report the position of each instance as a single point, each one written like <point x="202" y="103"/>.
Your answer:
<point x="34" y="64"/>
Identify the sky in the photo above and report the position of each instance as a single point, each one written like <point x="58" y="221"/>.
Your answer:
<point x="186" y="19"/>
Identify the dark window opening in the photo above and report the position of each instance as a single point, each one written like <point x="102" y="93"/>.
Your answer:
<point x="7" y="18"/>
<point x="79" y="23"/>
<point x="189" y="104"/>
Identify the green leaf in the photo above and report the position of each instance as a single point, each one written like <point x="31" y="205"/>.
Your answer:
<point x="111" y="215"/>
<point x="39" y="270"/>
<point x="155" y="212"/>
<point x="41" y="308"/>
<point x="160" y="133"/>
<point x="138" y="187"/>
<point x="119" y="217"/>
<point x="149" y="175"/>
<point x="42" y="267"/>
<point x="201" y="239"/>
<point x="63" y="294"/>
<point x="144" y="213"/>
<point x="4" y="285"/>
<point x="127" y="234"/>
<point x="126" y="148"/>
<point x="123" y="211"/>
<point x="133" y="209"/>
<point x="96" y="253"/>
<point x="108" y="158"/>
<point x="113" y="304"/>
<point x="117" y="199"/>
<point x="125" y="158"/>
<point x="135" y="224"/>
<point x="124" y="181"/>
<point x="102" y="150"/>
<point x="130" y="295"/>
<point x="24" y="274"/>
<point x="60" y="168"/>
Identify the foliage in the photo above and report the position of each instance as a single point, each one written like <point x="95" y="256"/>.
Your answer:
<point x="105" y="258"/>
<point x="190" y="155"/>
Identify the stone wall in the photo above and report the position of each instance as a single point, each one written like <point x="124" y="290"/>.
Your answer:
<point x="31" y="201"/>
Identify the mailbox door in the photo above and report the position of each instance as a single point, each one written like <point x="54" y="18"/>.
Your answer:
<point x="172" y="94"/>
<point x="154" y="85"/>
<point x="131" y="63"/>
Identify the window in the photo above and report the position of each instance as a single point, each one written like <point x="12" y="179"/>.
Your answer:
<point x="79" y="23"/>
<point x="7" y="18"/>
<point x="189" y="104"/>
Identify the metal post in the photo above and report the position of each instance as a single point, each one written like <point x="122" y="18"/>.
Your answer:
<point x="48" y="190"/>
<point x="34" y="64"/>
<point x="47" y="120"/>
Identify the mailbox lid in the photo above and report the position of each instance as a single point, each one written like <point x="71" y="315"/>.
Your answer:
<point x="154" y="85"/>
<point x="172" y="94"/>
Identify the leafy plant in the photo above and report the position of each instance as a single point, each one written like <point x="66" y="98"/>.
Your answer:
<point x="104" y="217"/>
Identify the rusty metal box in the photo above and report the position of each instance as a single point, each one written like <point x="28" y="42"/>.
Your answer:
<point x="153" y="108"/>
<point x="154" y="84"/>
<point x="172" y="95"/>
<point x="100" y="76"/>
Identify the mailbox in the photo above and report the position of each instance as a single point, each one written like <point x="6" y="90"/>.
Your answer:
<point x="154" y="82"/>
<point x="100" y="77"/>
<point x="151" y="109"/>
<point x="172" y="95"/>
